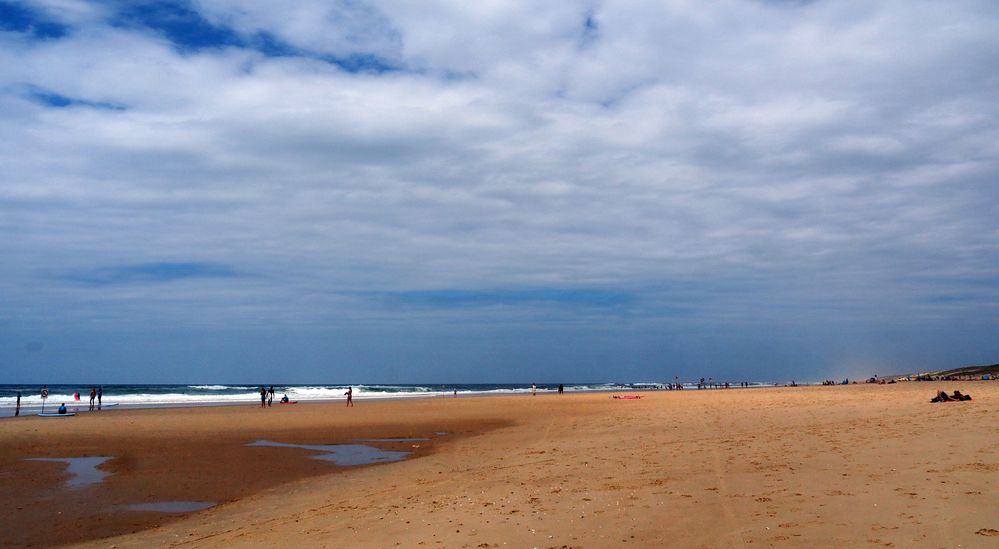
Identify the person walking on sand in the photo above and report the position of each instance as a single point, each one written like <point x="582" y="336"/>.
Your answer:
<point x="350" y="396"/>
<point x="270" y="395"/>
<point x="93" y="395"/>
<point x="263" y="396"/>
<point x="17" y="410"/>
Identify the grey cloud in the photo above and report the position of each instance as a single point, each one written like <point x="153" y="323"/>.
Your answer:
<point x="740" y="164"/>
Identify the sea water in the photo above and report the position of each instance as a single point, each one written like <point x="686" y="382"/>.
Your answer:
<point x="153" y="396"/>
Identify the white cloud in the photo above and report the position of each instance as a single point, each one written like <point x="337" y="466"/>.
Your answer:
<point x="769" y="147"/>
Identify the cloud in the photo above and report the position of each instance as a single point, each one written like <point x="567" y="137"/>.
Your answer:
<point x="737" y="164"/>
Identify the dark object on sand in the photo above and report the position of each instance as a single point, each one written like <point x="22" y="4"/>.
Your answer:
<point x="942" y="396"/>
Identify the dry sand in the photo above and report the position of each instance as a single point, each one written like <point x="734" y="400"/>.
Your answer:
<point x="815" y="466"/>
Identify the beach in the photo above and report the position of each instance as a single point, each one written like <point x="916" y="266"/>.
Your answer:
<point x="806" y="466"/>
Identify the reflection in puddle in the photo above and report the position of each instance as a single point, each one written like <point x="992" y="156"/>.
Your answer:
<point x="171" y="506"/>
<point x="342" y="454"/>
<point x="83" y="469"/>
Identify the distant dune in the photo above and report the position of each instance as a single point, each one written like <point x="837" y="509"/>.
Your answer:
<point x="992" y="369"/>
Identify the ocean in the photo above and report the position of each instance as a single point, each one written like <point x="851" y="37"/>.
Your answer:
<point x="156" y="396"/>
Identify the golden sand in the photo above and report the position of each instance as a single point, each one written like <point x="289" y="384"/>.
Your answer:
<point x="813" y="466"/>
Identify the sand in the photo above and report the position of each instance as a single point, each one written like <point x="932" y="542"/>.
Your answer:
<point x="809" y="466"/>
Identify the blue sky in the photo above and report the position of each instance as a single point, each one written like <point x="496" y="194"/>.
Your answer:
<point x="364" y="191"/>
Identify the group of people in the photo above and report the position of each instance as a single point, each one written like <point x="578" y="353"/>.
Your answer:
<point x="267" y="396"/>
<point x="942" y="396"/>
<point x="96" y="393"/>
<point x="96" y="399"/>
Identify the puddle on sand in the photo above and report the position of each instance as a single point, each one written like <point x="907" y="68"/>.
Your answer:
<point x="83" y="469"/>
<point x="342" y="454"/>
<point x="171" y="506"/>
<point x="392" y="440"/>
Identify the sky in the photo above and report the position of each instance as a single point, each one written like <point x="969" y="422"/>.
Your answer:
<point x="366" y="191"/>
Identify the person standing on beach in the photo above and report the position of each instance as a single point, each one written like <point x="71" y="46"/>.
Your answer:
<point x="93" y="395"/>
<point x="17" y="410"/>
<point x="270" y="395"/>
<point x="561" y="388"/>
<point x="350" y="396"/>
<point x="534" y="390"/>
<point x="263" y="396"/>
<point x="100" y="396"/>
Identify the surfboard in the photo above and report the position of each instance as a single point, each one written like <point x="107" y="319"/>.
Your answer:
<point x="52" y="414"/>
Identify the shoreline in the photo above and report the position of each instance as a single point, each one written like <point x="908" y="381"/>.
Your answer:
<point x="82" y="406"/>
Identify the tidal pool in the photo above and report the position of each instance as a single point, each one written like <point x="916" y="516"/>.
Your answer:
<point x="171" y="506"/>
<point x="83" y="469"/>
<point x="392" y="440"/>
<point x="342" y="454"/>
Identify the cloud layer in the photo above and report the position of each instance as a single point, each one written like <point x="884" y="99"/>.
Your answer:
<point x="807" y="186"/>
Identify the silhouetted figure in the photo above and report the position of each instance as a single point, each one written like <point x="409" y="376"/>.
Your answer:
<point x="17" y="410"/>
<point x="941" y="397"/>
<point x="93" y="396"/>
<point x="270" y="395"/>
<point x="263" y="396"/>
<point x="350" y="396"/>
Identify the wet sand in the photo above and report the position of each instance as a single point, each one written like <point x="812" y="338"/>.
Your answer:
<point x="810" y="466"/>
